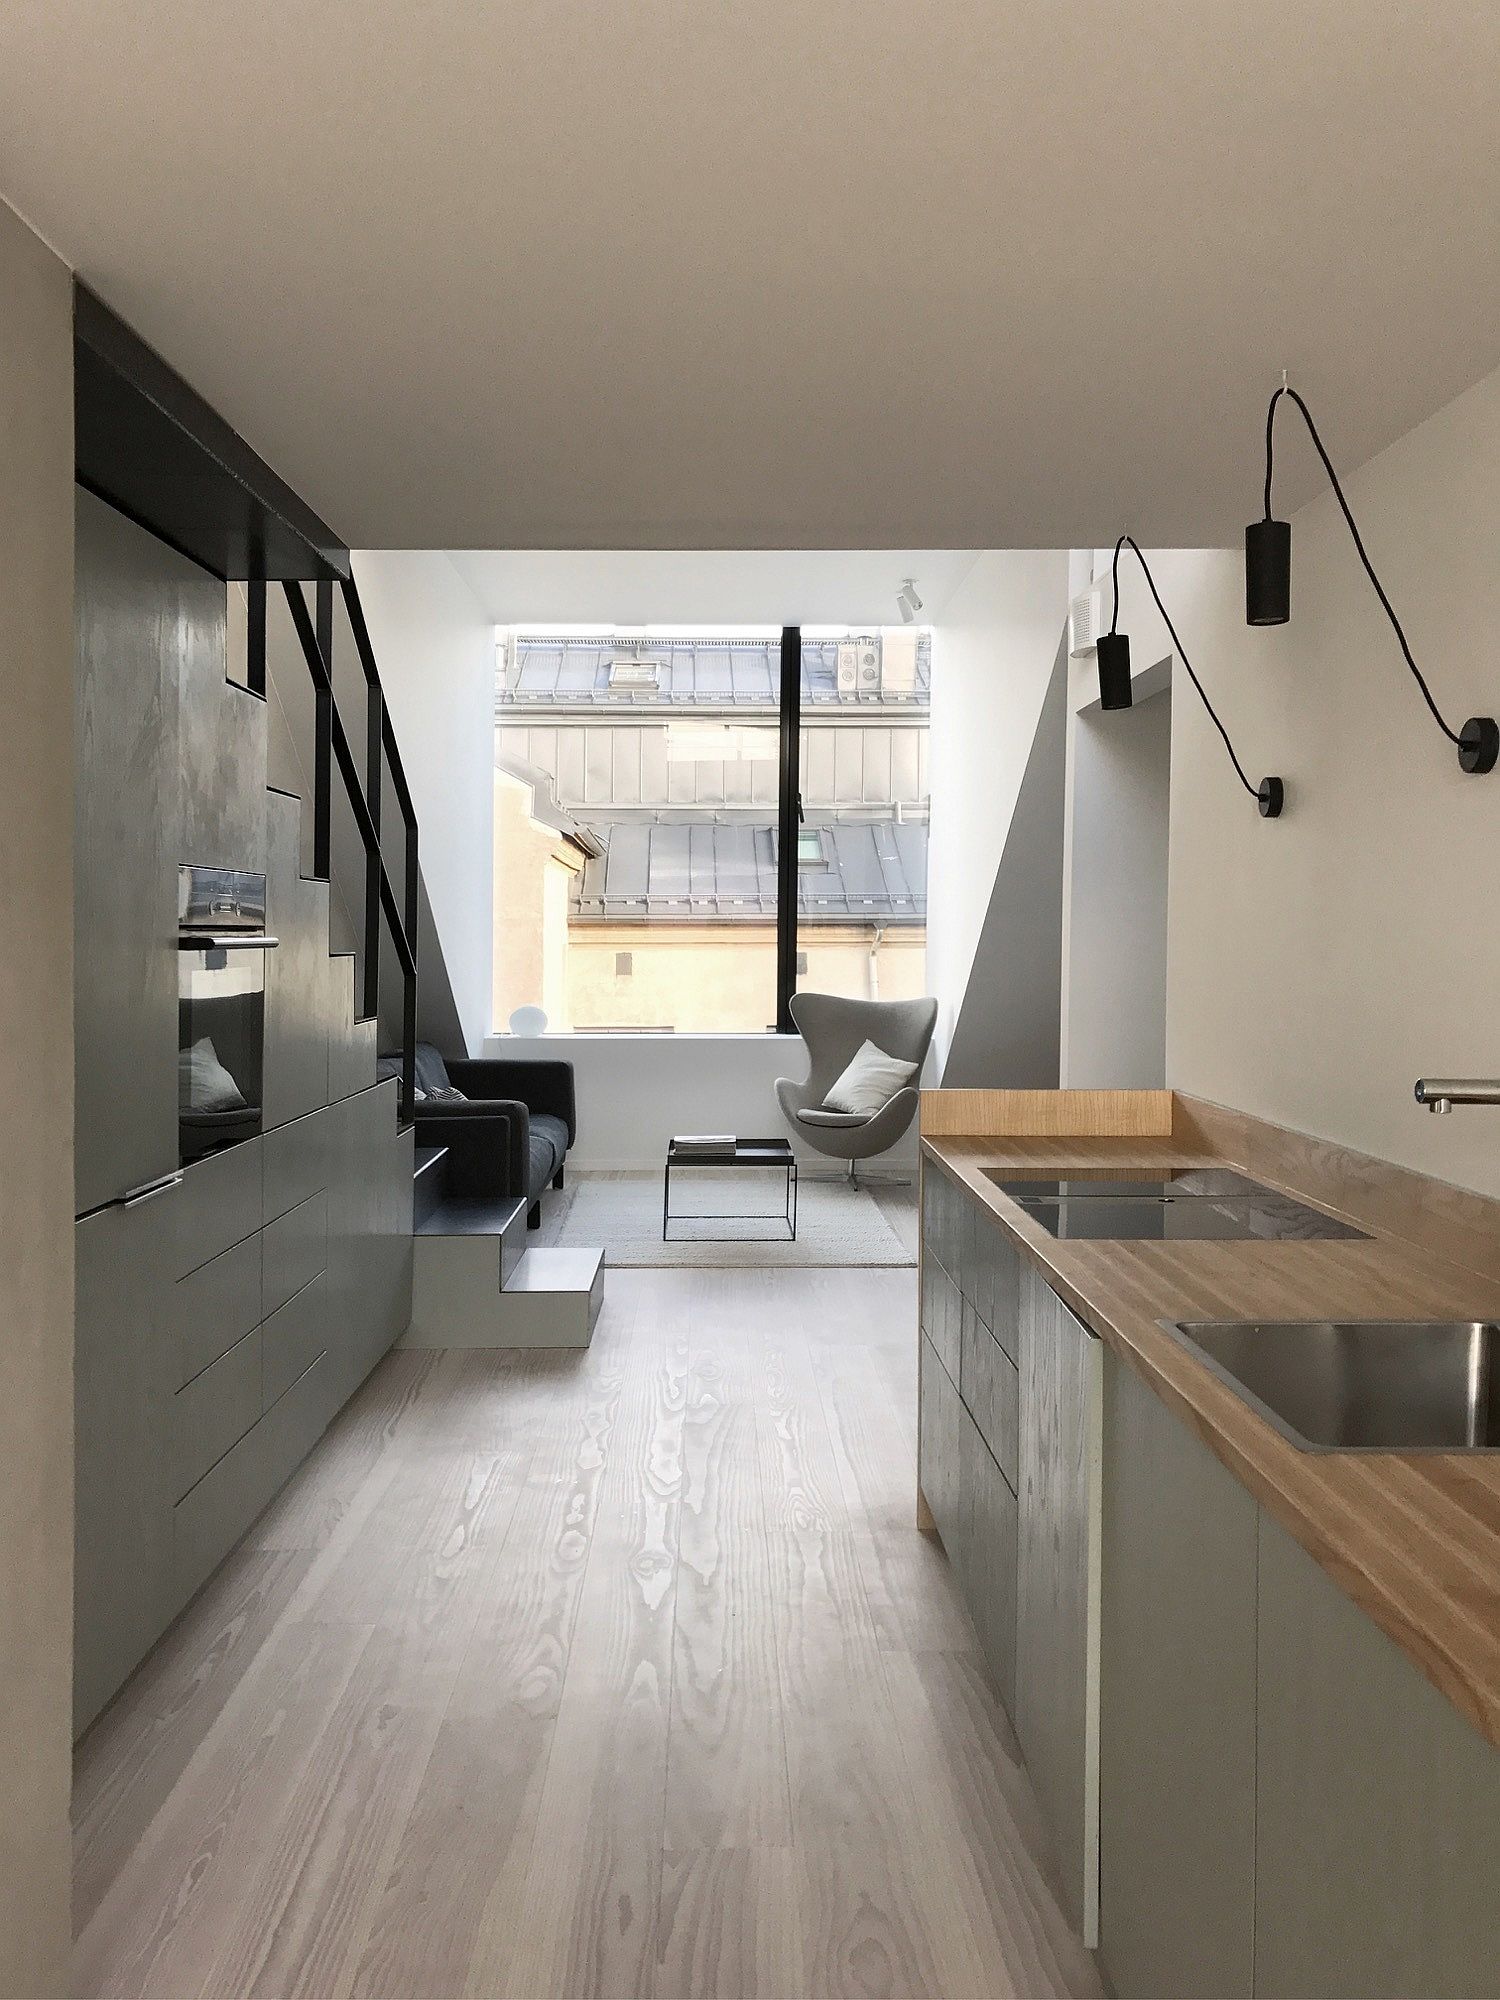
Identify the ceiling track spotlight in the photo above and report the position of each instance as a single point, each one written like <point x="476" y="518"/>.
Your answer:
<point x="1113" y="654"/>
<point x="1268" y="592"/>
<point x="907" y="602"/>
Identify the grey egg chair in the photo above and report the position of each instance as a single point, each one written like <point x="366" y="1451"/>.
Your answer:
<point x="835" y="1030"/>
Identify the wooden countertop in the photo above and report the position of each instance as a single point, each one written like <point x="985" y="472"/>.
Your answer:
<point x="1412" y="1538"/>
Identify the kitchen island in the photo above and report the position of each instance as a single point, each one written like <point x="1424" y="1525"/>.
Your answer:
<point x="1258" y="1687"/>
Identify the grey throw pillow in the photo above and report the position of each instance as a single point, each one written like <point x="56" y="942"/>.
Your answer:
<point x="869" y="1083"/>
<point x="203" y="1083"/>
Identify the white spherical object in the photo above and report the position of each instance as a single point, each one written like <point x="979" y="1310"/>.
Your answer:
<point x="528" y="1021"/>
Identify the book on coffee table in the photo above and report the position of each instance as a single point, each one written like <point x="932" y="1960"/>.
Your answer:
<point x="706" y="1145"/>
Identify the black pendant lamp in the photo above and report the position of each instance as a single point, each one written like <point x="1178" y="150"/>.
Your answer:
<point x="1113" y="659"/>
<point x="1268" y="591"/>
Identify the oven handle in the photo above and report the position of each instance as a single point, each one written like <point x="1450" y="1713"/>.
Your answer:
<point x="149" y="1190"/>
<point x="226" y="941"/>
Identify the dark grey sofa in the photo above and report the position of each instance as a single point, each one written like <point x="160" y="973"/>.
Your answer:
<point x="510" y="1132"/>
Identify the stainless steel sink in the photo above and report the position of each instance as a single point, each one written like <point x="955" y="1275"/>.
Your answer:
<point x="1361" y="1385"/>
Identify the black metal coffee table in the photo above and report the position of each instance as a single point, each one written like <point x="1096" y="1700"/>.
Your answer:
<point x="775" y="1153"/>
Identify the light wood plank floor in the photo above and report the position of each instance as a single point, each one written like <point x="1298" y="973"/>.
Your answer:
<point x="566" y="1675"/>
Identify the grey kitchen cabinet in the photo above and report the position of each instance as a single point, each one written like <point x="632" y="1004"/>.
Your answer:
<point x="126" y="820"/>
<point x="1177" y="1707"/>
<point x="987" y="1553"/>
<point x="221" y="735"/>
<point x="990" y="1385"/>
<point x="126" y="1355"/>
<point x="369" y="1233"/>
<point x="1057" y="1583"/>
<point x="939" y="1441"/>
<point x="1377" y="1860"/>
<point x="298" y="1023"/>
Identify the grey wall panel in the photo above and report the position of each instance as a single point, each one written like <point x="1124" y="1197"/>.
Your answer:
<point x="214" y="1411"/>
<point x="294" y="1250"/>
<point x="1007" y="1033"/>
<point x="124" y="1376"/>
<point x="218" y="1204"/>
<point x="215" y="1305"/>
<point x="296" y="1039"/>
<point x="126" y="814"/>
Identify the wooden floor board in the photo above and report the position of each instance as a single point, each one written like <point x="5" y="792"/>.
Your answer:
<point x="584" y="1676"/>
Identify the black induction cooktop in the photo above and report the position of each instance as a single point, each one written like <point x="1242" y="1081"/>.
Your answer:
<point x="1186" y="1205"/>
<point x="1170" y="1184"/>
<point x="1191" y="1219"/>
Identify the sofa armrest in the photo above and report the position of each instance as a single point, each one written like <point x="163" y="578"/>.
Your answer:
<point x="488" y="1143"/>
<point x="543" y="1085"/>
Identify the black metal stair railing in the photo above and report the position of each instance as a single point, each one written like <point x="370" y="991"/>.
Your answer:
<point x="332" y="749"/>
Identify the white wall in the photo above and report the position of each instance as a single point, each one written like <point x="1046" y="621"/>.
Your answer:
<point x="707" y="587"/>
<point x="635" y="1091"/>
<point x="993" y="651"/>
<point x="36" y="1068"/>
<point x="435" y="646"/>
<point x="1320" y="963"/>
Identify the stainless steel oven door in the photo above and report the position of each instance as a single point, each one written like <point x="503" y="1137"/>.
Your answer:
<point x="220" y="1009"/>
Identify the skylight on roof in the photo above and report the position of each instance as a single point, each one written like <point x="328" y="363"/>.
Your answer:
<point x="634" y="673"/>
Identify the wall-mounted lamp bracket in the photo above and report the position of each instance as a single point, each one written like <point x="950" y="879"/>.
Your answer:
<point x="1268" y="591"/>
<point x="1113" y="660"/>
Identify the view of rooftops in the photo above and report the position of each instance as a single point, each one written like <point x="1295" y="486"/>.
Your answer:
<point x="636" y="787"/>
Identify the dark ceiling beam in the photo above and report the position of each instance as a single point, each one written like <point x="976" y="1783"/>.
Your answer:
<point x="148" y="443"/>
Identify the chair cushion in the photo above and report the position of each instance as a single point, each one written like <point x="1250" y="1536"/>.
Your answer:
<point x="839" y="1121"/>
<point x="549" y="1145"/>
<point x="869" y="1083"/>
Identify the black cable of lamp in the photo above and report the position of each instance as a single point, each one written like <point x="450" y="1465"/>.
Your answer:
<point x="1113" y="659"/>
<point x="1268" y="592"/>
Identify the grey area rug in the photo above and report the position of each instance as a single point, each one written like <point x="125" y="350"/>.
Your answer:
<point x="836" y="1224"/>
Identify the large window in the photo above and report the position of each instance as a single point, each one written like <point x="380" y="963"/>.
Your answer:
<point x="638" y="803"/>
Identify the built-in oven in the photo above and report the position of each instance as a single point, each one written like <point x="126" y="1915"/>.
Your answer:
<point x="222" y="943"/>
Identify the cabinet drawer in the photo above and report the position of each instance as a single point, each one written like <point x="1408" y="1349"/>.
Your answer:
<point x="215" y="1306"/>
<point x="295" y="1160"/>
<point x="208" y="1521"/>
<point x="294" y="1250"/>
<point x="942" y="1315"/>
<point x="216" y="1409"/>
<point x="293" y="1338"/>
<point x="989" y="1557"/>
<point x="939" y="1416"/>
<point x="218" y="1204"/>
<point x="992" y="1390"/>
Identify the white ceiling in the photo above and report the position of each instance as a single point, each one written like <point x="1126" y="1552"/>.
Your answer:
<point x="708" y="587"/>
<point x="803" y="273"/>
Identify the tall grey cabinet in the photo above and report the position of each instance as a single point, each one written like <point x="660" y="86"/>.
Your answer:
<point x="1058" y="1581"/>
<point x="224" y="1311"/>
<point x="127" y="822"/>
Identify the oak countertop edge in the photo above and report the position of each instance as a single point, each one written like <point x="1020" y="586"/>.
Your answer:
<point x="1413" y="1539"/>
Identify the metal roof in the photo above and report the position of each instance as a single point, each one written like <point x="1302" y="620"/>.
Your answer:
<point x="724" y="871"/>
<point x="598" y="672"/>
